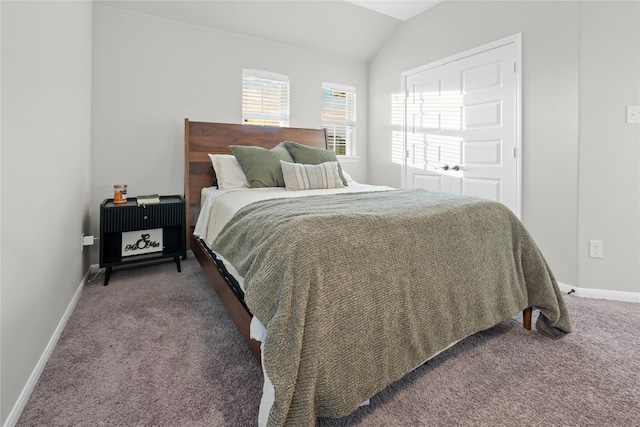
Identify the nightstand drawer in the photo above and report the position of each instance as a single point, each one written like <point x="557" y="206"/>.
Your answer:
<point x="128" y="218"/>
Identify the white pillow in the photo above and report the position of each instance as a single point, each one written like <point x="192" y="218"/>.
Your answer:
<point x="228" y="171"/>
<point x="347" y="177"/>
<point x="300" y="176"/>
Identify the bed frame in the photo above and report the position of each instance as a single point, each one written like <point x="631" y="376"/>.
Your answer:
<point x="202" y="138"/>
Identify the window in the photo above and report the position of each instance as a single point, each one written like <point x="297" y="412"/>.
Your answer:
<point x="265" y="98"/>
<point x="339" y="117"/>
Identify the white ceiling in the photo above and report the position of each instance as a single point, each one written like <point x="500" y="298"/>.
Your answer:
<point x="399" y="9"/>
<point x="325" y="26"/>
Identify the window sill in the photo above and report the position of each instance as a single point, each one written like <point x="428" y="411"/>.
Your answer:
<point x="348" y="159"/>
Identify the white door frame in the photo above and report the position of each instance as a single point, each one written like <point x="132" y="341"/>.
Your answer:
<point x="516" y="40"/>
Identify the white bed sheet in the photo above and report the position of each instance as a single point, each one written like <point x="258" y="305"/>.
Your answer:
<point x="226" y="203"/>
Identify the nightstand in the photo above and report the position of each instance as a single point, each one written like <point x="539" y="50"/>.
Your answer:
<point x="130" y="233"/>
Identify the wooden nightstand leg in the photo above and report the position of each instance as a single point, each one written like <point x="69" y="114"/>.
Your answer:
<point x="106" y="276"/>
<point x="177" y="259"/>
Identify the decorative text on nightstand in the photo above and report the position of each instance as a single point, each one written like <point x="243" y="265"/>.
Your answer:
<point x="142" y="242"/>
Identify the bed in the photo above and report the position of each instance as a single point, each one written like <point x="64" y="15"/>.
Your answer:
<point x="336" y="329"/>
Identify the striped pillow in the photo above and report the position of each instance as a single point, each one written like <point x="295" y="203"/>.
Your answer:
<point x="299" y="176"/>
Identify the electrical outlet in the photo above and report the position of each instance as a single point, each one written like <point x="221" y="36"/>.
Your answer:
<point x="633" y="113"/>
<point x="87" y="241"/>
<point x="595" y="248"/>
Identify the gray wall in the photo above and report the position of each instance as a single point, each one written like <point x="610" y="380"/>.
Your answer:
<point x="609" y="154"/>
<point x="46" y="115"/>
<point x="150" y="73"/>
<point x="579" y="73"/>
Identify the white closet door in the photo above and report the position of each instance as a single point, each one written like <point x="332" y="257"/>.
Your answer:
<point x="461" y="128"/>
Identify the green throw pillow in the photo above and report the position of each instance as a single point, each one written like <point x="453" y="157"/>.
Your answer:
<point x="262" y="166"/>
<point x="312" y="156"/>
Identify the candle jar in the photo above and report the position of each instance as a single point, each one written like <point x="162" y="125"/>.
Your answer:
<point x="119" y="193"/>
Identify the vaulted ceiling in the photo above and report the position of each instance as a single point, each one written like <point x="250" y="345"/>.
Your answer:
<point x="400" y="9"/>
<point x="347" y="29"/>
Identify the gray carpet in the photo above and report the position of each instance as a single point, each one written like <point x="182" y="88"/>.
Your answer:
<point x="156" y="348"/>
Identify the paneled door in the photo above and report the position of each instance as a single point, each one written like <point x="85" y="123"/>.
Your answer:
<point x="461" y="125"/>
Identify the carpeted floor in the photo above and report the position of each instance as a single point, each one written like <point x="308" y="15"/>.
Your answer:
<point x="156" y="348"/>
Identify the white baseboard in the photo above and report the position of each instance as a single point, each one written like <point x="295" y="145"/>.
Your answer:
<point x="17" y="409"/>
<point x="600" y="293"/>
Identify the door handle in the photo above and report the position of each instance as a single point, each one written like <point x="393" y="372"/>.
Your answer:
<point x="456" y="167"/>
<point x="445" y="167"/>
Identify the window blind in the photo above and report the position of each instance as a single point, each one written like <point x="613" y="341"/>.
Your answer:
<point x="265" y="98"/>
<point x="339" y="117"/>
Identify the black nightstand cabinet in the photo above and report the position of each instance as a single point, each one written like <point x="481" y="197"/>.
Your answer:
<point x="115" y="219"/>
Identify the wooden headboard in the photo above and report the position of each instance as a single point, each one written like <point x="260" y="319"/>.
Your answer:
<point x="202" y="139"/>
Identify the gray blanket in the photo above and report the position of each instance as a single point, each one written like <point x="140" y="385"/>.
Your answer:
<point x="356" y="290"/>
